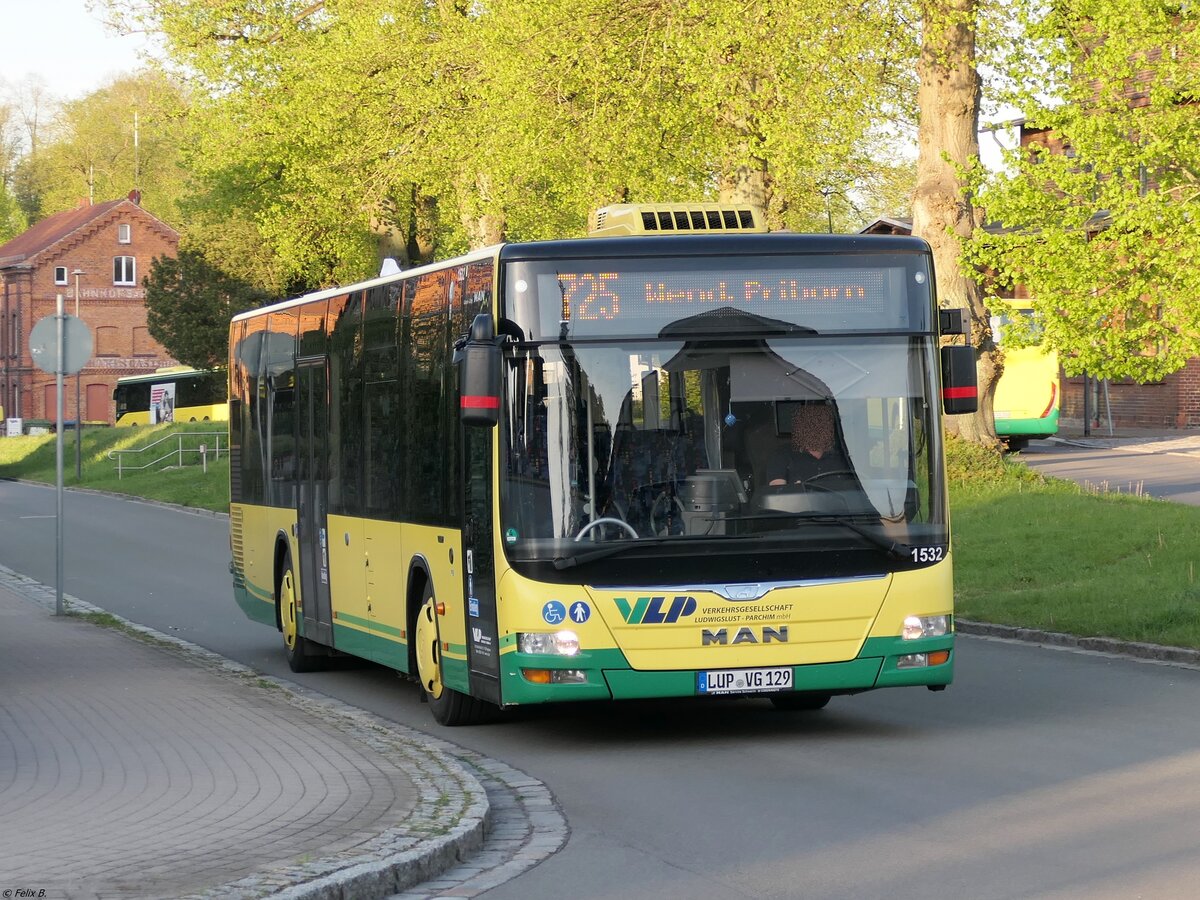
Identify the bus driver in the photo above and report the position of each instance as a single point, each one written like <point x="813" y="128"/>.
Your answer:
<point x="813" y="452"/>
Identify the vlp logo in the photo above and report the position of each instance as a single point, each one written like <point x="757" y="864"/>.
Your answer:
<point x="655" y="610"/>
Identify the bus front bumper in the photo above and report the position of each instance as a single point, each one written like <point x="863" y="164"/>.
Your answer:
<point x="605" y="675"/>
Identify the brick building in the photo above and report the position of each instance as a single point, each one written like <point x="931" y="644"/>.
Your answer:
<point x="1173" y="402"/>
<point x="96" y="257"/>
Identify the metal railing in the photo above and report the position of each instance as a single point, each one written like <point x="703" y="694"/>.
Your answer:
<point x="204" y="450"/>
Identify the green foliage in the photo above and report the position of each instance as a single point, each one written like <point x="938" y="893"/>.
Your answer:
<point x="1106" y="236"/>
<point x="90" y="149"/>
<point x="189" y="303"/>
<point x="12" y="219"/>
<point x="970" y="463"/>
<point x="334" y="133"/>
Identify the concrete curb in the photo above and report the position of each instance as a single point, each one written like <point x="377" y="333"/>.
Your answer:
<point x="1180" y="656"/>
<point x="395" y="860"/>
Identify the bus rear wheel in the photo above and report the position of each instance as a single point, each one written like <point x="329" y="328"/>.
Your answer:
<point x="300" y="651"/>
<point x="449" y="707"/>
<point x="800" y="701"/>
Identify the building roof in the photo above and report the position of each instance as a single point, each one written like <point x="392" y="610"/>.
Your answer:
<point x="888" y="225"/>
<point x="53" y="229"/>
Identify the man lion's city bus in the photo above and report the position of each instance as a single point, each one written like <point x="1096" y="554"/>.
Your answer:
<point x="682" y="457"/>
<point x="1026" y="405"/>
<point x="171" y="394"/>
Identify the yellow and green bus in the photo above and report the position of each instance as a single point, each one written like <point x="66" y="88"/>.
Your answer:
<point x="571" y="470"/>
<point x="171" y="394"/>
<point x="1026" y="405"/>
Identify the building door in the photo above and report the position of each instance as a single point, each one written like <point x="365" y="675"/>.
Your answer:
<point x="49" y="401"/>
<point x="98" y="405"/>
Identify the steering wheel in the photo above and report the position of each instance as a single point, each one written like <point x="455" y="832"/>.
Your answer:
<point x="660" y="512"/>
<point x="821" y="476"/>
<point x="606" y="520"/>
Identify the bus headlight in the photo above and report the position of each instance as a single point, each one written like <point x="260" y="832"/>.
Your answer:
<point x="924" y="626"/>
<point x="558" y="643"/>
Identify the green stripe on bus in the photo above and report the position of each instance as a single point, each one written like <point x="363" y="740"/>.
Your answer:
<point x="341" y="618"/>
<point x="254" y="607"/>
<point x="383" y="650"/>
<point x="1029" y="427"/>
<point x="369" y="625"/>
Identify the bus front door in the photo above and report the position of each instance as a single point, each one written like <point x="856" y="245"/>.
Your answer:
<point x="313" y="457"/>
<point x="483" y="637"/>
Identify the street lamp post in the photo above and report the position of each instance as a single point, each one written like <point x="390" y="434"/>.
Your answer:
<point x="78" y="413"/>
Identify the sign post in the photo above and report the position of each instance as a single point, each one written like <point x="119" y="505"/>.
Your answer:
<point x="60" y="344"/>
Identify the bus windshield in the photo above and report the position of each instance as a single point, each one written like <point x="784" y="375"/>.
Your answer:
<point x="644" y="451"/>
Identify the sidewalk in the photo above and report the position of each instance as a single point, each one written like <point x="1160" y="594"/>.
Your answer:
<point x="134" y="770"/>
<point x="1146" y="440"/>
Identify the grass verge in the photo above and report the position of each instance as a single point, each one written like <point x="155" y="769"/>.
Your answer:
<point x="33" y="458"/>
<point x="1043" y="553"/>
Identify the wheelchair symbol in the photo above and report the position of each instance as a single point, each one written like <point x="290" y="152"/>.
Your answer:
<point x="554" y="613"/>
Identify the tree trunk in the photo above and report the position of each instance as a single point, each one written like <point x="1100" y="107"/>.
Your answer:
<point x="948" y="137"/>
<point x="390" y="242"/>
<point x="422" y="227"/>
<point x="484" y="225"/>
<point x="746" y="184"/>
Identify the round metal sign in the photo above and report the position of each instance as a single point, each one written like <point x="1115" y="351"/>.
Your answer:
<point x="77" y="345"/>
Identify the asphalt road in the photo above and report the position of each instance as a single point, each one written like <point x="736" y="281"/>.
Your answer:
<point x="1169" y="469"/>
<point x="1039" y="773"/>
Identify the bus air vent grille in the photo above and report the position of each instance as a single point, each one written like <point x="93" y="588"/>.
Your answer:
<point x="236" y="545"/>
<point x="674" y="218"/>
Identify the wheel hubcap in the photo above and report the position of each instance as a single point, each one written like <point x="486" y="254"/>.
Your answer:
<point x="428" y="669"/>
<point x="287" y="611"/>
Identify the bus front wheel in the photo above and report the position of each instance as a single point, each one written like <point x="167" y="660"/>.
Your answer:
<point x="300" y="652"/>
<point x="449" y="707"/>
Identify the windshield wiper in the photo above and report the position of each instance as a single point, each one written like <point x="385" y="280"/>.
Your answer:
<point x="894" y="549"/>
<point x="578" y="559"/>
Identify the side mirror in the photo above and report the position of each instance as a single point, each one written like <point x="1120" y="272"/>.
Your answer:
<point x="960" y="384"/>
<point x="479" y="374"/>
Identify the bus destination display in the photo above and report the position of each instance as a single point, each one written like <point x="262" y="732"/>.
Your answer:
<point x="615" y="302"/>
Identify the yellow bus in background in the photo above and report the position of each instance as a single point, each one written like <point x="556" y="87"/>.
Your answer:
<point x="1027" y="398"/>
<point x="171" y="394"/>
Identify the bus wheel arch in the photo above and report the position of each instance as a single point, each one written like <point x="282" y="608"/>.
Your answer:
<point x="302" y="655"/>
<point x="449" y="707"/>
<point x="418" y="578"/>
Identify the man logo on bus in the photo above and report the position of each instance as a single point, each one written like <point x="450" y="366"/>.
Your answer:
<point x="655" y="610"/>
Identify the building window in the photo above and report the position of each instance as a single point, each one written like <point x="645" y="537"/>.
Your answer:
<point x="60" y="274"/>
<point x="143" y="345"/>
<point x="124" y="270"/>
<point x="107" y="340"/>
<point x="124" y="235"/>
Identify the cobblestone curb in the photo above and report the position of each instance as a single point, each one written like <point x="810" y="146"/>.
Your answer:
<point x="1177" y="656"/>
<point x="448" y="824"/>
